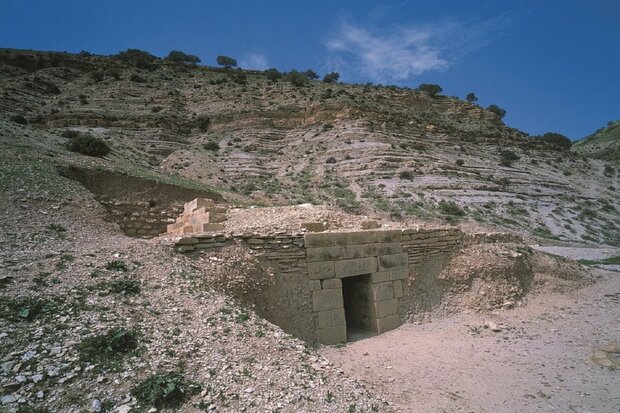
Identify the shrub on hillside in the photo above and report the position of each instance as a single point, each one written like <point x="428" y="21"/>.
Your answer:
<point x="273" y="74"/>
<point x="226" y="61"/>
<point x="430" y="88"/>
<point x="471" y="97"/>
<point x="557" y="139"/>
<point x="177" y="56"/>
<point x="508" y="157"/>
<point x="296" y="78"/>
<point x="87" y="144"/>
<point x="139" y="58"/>
<point x="311" y="74"/>
<point x="331" y="77"/>
<point x="497" y="110"/>
<point x="97" y="76"/>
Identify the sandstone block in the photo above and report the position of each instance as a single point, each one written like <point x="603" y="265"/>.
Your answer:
<point x="185" y="248"/>
<point x="331" y="283"/>
<point x="398" y="289"/>
<point x="353" y="251"/>
<point x="362" y="237"/>
<point x="319" y="240"/>
<point x="380" y="276"/>
<point x="198" y="203"/>
<point x="382" y="249"/>
<point x="387" y="262"/>
<point x="320" y="270"/>
<point x="327" y="300"/>
<point x="392" y="235"/>
<point x="382" y="291"/>
<point x="331" y="318"/>
<point x="385" y="308"/>
<point x="360" y="266"/>
<point x="323" y="253"/>
<point x="399" y="273"/>
<point x="388" y="323"/>
<point x="332" y="335"/>
<point x="315" y="285"/>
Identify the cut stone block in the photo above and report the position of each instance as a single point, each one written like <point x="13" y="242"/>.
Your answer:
<point x="187" y="241"/>
<point x="382" y="249"/>
<point x="332" y="335"/>
<point x="384" y="308"/>
<point x="331" y="284"/>
<point x="354" y="251"/>
<point x="323" y="254"/>
<point x="370" y="225"/>
<point x="382" y="291"/>
<point x="388" y="323"/>
<point x="387" y="262"/>
<point x="315" y="285"/>
<point x="393" y="235"/>
<point x="327" y="300"/>
<point x="360" y="266"/>
<point x="320" y="270"/>
<point x="331" y="318"/>
<point x="319" y="240"/>
<point x="399" y="273"/>
<point x="198" y="203"/>
<point x="362" y="237"/>
<point x="398" y="289"/>
<point x="380" y="276"/>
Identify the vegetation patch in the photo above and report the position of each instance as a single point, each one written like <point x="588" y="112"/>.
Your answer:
<point x="88" y="145"/>
<point x="164" y="390"/>
<point x="108" y="348"/>
<point x="26" y="309"/>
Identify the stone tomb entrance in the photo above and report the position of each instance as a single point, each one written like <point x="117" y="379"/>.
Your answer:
<point x="356" y="281"/>
<point x="357" y="295"/>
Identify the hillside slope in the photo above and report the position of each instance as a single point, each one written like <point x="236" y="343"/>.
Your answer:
<point x="602" y="144"/>
<point x="370" y="149"/>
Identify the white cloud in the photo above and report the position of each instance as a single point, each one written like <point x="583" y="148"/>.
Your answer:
<point x="399" y="54"/>
<point x="255" y="61"/>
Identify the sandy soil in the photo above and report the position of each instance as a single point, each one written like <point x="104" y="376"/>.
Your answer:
<point x="538" y="361"/>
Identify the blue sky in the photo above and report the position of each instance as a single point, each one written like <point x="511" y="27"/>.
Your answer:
<point x="554" y="65"/>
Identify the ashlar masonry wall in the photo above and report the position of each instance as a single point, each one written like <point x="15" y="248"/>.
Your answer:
<point x="315" y="274"/>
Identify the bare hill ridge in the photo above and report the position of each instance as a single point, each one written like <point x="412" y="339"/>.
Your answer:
<point x="369" y="149"/>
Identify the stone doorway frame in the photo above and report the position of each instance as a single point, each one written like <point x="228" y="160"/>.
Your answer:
<point x="331" y="257"/>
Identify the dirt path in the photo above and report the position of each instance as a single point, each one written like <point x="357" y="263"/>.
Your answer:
<point x="580" y="253"/>
<point x="538" y="362"/>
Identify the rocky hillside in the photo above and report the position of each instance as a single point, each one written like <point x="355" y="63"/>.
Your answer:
<point x="382" y="151"/>
<point x="602" y="144"/>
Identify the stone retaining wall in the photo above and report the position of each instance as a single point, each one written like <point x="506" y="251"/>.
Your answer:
<point x="312" y="269"/>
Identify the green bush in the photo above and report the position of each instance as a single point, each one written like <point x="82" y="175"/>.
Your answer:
<point x="497" y="110"/>
<point x="164" y="390"/>
<point x="406" y="175"/>
<point x="311" y="74"/>
<point x="25" y="309"/>
<point x="212" y="146"/>
<point x="460" y="162"/>
<point x="202" y="122"/>
<point x="430" y="88"/>
<point x="557" y="139"/>
<point x="508" y="157"/>
<point x="471" y="97"/>
<point x="296" y="78"/>
<point x="87" y="144"/>
<point x="273" y="74"/>
<point x="177" y="56"/>
<point x="116" y="265"/>
<point x="125" y="287"/>
<point x="106" y="347"/>
<point x="139" y="58"/>
<point x="450" y="208"/>
<point x="226" y="61"/>
<point x="331" y="77"/>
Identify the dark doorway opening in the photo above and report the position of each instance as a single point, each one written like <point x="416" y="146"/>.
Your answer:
<point x="356" y="293"/>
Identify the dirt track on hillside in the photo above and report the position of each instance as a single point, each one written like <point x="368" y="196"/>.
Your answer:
<point x="539" y="361"/>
